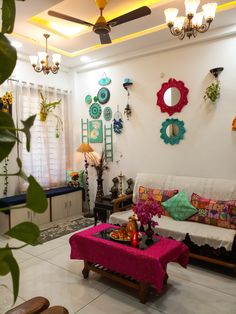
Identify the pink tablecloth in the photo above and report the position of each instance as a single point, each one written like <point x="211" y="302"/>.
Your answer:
<point x="143" y="265"/>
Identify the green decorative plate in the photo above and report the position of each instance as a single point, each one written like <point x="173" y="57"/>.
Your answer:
<point x="107" y="113"/>
<point x="88" y="99"/>
<point x="95" y="99"/>
<point x="95" y="110"/>
<point x="103" y="95"/>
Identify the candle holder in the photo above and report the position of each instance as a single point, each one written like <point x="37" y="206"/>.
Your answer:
<point x="121" y="176"/>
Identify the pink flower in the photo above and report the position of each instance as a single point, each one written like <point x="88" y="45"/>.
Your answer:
<point x="145" y="210"/>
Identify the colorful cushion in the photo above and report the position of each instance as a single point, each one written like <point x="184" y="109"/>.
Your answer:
<point x="159" y="195"/>
<point x="179" y="206"/>
<point x="214" y="212"/>
<point x="75" y="178"/>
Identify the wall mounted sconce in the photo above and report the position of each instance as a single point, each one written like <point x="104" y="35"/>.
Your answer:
<point x="128" y="111"/>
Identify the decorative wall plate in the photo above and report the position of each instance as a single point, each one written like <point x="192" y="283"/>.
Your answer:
<point x="95" y="110"/>
<point x="176" y="103"/>
<point x="107" y="113"/>
<point x="95" y="99"/>
<point x="88" y="99"/>
<point x="104" y="80"/>
<point x="175" y="134"/>
<point x="103" y="95"/>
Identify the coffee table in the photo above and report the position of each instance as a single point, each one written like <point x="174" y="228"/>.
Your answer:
<point x="133" y="267"/>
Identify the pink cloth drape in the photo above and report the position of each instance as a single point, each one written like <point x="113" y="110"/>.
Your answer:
<point x="147" y="266"/>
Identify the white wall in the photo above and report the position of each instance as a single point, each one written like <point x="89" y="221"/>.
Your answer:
<point x="209" y="145"/>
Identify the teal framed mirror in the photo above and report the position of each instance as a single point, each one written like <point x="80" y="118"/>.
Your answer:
<point x="172" y="131"/>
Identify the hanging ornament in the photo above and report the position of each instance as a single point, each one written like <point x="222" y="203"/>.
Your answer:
<point x="104" y="80"/>
<point x="118" y="122"/>
<point x="88" y="99"/>
<point x="107" y="113"/>
<point x="103" y="95"/>
<point x="95" y="111"/>
<point x="127" y="83"/>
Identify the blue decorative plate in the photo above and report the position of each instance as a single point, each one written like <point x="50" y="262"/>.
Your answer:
<point x="107" y="113"/>
<point x="95" y="110"/>
<point x="103" y="95"/>
<point x="88" y="99"/>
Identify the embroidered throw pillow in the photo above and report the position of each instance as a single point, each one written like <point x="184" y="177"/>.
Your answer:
<point x="179" y="206"/>
<point x="75" y="178"/>
<point x="159" y="195"/>
<point x="214" y="212"/>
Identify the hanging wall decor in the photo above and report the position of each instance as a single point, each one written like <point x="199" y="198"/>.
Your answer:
<point x="88" y="99"/>
<point x="95" y="129"/>
<point x="127" y="83"/>
<point x="172" y="96"/>
<point x="108" y="139"/>
<point x="107" y="113"/>
<point x="172" y="131"/>
<point x="213" y="91"/>
<point x="103" y="95"/>
<point x="104" y="80"/>
<point x="118" y="122"/>
<point x="95" y="110"/>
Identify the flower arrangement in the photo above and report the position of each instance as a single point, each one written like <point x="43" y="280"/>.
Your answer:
<point x="145" y="210"/>
<point x="6" y="102"/>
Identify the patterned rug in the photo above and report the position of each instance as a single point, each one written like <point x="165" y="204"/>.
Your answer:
<point x="64" y="228"/>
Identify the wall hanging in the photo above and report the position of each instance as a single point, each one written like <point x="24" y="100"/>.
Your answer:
<point x="127" y="83"/>
<point x="108" y="139"/>
<point x="95" y="131"/>
<point x="104" y="80"/>
<point x="103" y="95"/>
<point x="172" y="96"/>
<point x="47" y="108"/>
<point x="118" y="122"/>
<point x="84" y="131"/>
<point x="107" y="113"/>
<point x="95" y="110"/>
<point x="88" y="99"/>
<point x="213" y="91"/>
<point x="172" y="131"/>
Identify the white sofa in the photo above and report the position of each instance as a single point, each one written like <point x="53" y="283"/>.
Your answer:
<point x="200" y="234"/>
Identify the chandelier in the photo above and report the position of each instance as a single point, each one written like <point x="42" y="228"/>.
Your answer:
<point x="192" y="24"/>
<point x="40" y="63"/>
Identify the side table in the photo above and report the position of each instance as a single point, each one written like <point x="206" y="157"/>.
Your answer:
<point x="104" y="207"/>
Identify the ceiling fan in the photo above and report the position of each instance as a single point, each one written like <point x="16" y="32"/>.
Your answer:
<point x="102" y="27"/>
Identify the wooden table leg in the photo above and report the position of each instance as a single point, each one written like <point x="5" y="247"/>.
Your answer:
<point x="85" y="270"/>
<point x="143" y="290"/>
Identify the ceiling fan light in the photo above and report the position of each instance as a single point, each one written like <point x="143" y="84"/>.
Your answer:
<point x="56" y="58"/>
<point x="171" y="15"/>
<point x="33" y="60"/>
<point x="179" y="22"/>
<point x="197" y="19"/>
<point x="42" y="56"/>
<point x="209" y="10"/>
<point x="191" y="6"/>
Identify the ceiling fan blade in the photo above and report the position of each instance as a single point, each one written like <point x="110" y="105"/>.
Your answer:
<point x="68" y="18"/>
<point x="105" y="39"/>
<point x="135" y="14"/>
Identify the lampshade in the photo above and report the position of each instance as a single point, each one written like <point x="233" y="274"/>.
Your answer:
<point x="171" y="14"/>
<point x="209" y="10"/>
<point x="179" y="22"/>
<point x="197" y="19"/>
<point x="191" y="6"/>
<point x="85" y="148"/>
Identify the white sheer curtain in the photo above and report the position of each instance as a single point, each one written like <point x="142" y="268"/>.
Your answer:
<point x="46" y="160"/>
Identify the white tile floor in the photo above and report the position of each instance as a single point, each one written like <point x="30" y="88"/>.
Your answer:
<point x="47" y="270"/>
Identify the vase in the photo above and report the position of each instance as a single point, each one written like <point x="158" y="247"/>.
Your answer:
<point x="100" y="193"/>
<point x="149" y="232"/>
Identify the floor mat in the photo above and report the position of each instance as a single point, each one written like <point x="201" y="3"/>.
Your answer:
<point x="64" y="228"/>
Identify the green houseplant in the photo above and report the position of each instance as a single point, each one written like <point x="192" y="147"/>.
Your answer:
<point x="9" y="138"/>
<point x="213" y="92"/>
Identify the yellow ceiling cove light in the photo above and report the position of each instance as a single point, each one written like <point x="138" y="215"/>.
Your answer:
<point x="70" y="31"/>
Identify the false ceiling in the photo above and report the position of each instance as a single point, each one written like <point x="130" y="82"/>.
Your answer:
<point x="74" y="40"/>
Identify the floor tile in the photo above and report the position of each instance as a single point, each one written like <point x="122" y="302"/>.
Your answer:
<point x="42" y="248"/>
<point x="6" y="299"/>
<point x="205" y="277"/>
<point x="116" y="302"/>
<point x="189" y="298"/>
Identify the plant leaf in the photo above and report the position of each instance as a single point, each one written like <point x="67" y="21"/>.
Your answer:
<point x="4" y="268"/>
<point x="6" y="122"/>
<point x="28" y="123"/>
<point x="15" y="274"/>
<point x="8" y="58"/>
<point x="36" y="198"/>
<point x="8" y="16"/>
<point x="26" y="232"/>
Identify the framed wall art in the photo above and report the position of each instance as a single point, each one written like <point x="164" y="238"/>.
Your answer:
<point x="95" y="129"/>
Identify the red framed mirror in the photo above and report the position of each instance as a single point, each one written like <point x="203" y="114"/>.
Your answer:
<point x="172" y="96"/>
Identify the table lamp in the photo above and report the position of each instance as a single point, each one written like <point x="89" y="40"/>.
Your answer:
<point x="85" y="148"/>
